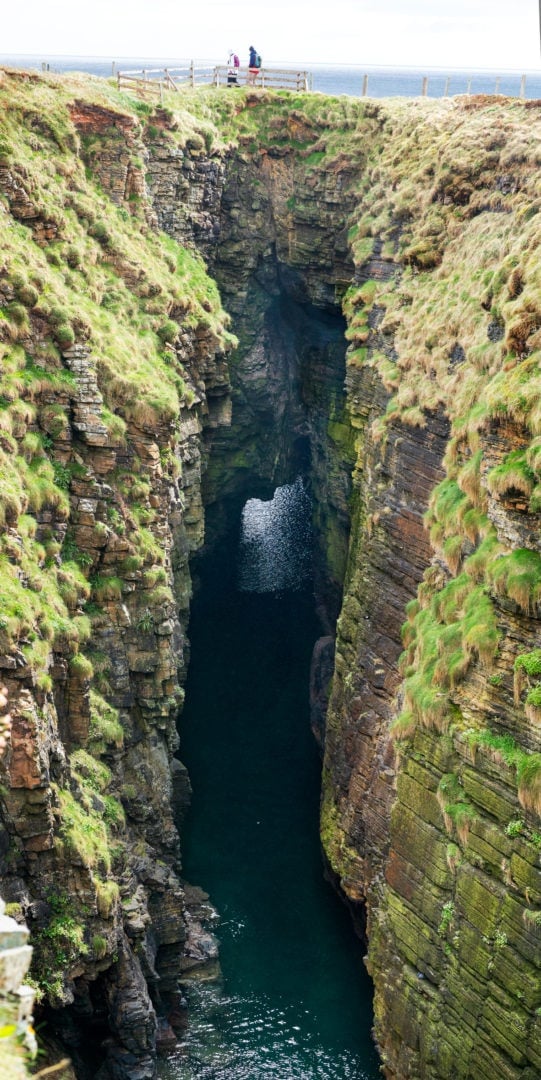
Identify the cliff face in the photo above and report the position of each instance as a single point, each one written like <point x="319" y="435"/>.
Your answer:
<point x="420" y="220"/>
<point x="272" y="227"/>
<point x="113" y="361"/>
<point x="432" y="767"/>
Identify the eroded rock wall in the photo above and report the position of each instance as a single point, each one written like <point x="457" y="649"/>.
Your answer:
<point x="101" y="455"/>
<point x="431" y="779"/>
<point x="421" y="219"/>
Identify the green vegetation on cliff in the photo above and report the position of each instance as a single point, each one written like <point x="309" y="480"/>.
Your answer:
<point x="446" y="236"/>
<point x="101" y="317"/>
<point x="106" y="329"/>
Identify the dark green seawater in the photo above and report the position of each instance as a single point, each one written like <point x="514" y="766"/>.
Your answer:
<point x="294" y="1000"/>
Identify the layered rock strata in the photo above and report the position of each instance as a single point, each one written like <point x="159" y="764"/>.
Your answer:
<point x="421" y="220"/>
<point x="101" y="455"/>
<point x="432" y="765"/>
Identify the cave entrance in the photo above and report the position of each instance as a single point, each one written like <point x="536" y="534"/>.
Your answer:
<point x="293" y="1000"/>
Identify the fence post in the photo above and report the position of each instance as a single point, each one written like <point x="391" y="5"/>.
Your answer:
<point x="468" y="88"/>
<point x="305" y="80"/>
<point x="365" y="85"/>
<point x="144" y="75"/>
<point x="523" y="86"/>
<point x="497" y="87"/>
<point x="425" y="86"/>
<point x="446" y="90"/>
<point x="192" y="72"/>
<point x="161" y="92"/>
<point x="113" y="67"/>
<point x="118" y="81"/>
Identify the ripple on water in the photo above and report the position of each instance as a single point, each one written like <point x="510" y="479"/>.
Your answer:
<point x="247" y="1038"/>
<point x="291" y="1005"/>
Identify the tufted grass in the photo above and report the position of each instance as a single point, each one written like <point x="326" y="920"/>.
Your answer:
<point x="518" y="576"/>
<point x="442" y="640"/>
<point x="514" y="474"/>
<point x="527" y="765"/>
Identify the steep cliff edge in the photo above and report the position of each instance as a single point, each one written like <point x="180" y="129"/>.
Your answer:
<point x="433" y="772"/>
<point x="421" y="219"/>
<point x="113" y="346"/>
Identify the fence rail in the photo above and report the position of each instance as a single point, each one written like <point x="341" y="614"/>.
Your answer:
<point x="150" y="83"/>
<point x="148" y="89"/>
<point x="276" y="78"/>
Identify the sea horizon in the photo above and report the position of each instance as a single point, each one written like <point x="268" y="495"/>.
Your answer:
<point x="384" y="80"/>
<point x="110" y="57"/>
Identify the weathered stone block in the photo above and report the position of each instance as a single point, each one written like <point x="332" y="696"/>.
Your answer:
<point x="14" y="964"/>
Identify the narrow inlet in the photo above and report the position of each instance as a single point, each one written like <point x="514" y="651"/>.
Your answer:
<point x="294" y="1000"/>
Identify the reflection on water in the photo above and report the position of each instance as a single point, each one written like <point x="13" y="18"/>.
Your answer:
<point x="275" y="541"/>
<point x="239" y="1038"/>
<point x="294" y="1002"/>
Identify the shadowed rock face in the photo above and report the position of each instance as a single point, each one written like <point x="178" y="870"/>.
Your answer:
<point x="136" y="931"/>
<point x="436" y="832"/>
<point x="449" y="907"/>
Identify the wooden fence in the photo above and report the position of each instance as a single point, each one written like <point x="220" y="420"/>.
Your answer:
<point x="274" y="78"/>
<point x="425" y="86"/>
<point x="150" y="83"/>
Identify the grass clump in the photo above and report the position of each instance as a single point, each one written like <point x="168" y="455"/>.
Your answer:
<point x="81" y="668"/>
<point x="89" y="768"/>
<point x="518" y="576"/>
<point x="514" y="475"/>
<point x="458" y="813"/>
<point x="107" y="896"/>
<point x="99" y="946"/>
<point x="527" y="676"/>
<point x="527" y="765"/>
<point x="83" y="831"/>
<point x="105" y="727"/>
<point x="57" y="947"/>
<point x="442" y="640"/>
<point x="403" y="726"/>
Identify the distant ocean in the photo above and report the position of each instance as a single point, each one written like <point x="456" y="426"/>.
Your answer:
<point x="328" y="79"/>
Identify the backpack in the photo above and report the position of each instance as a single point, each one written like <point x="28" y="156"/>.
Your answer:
<point x="257" y="60"/>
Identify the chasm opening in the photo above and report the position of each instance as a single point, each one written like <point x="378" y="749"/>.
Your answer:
<point x="293" y="1000"/>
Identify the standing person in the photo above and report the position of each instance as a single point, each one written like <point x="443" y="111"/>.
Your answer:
<point x="254" y="64"/>
<point x="233" y="64"/>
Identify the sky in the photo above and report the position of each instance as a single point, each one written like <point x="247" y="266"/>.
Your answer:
<point x="495" y="34"/>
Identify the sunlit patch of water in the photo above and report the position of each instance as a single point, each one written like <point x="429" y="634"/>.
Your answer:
<point x="294" y="1002"/>
<point x="241" y="1038"/>
<point x="275" y="541"/>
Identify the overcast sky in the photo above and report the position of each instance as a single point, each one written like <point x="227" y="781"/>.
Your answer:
<point x="499" y="34"/>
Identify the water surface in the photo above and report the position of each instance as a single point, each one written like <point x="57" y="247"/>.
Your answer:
<point x="295" y="1001"/>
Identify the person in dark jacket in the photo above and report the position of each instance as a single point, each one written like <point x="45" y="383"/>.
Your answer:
<point x="254" y="65"/>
